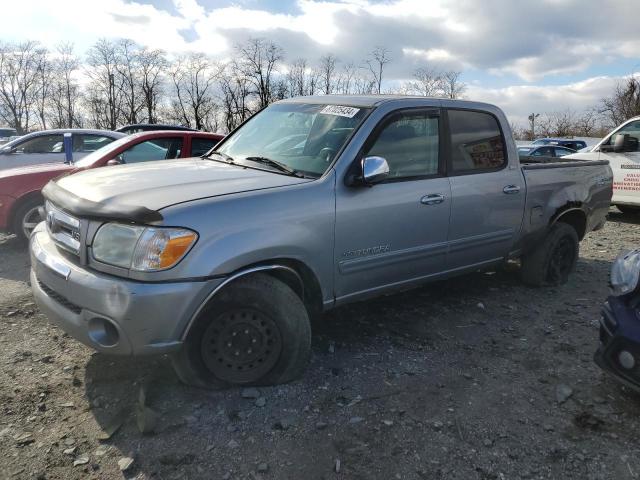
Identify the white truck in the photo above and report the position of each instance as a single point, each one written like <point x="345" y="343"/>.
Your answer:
<point x="621" y="149"/>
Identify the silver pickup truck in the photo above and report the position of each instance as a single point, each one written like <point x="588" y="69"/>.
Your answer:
<point x="221" y="261"/>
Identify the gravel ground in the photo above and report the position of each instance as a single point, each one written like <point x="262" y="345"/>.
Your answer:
<point x="477" y="377"/>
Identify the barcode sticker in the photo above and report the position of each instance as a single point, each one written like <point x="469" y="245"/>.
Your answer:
<point x="340" y="110"/>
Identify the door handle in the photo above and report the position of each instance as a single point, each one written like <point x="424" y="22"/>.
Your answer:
<point x="432" y="199"/>
<point x="511" y="189"/>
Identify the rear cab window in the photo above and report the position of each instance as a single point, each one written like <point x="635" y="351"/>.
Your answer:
<point x="476" y="142"/>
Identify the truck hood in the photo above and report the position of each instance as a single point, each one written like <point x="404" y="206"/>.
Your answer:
<point x="156" y="185"/>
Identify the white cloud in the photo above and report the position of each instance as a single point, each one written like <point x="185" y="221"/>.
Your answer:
<point x="521" y="100"/>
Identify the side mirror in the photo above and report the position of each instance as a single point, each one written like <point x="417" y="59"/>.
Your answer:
<point x="117" y="160"/>
<point x="625" y="143"/>
<point x="374" y="170"/>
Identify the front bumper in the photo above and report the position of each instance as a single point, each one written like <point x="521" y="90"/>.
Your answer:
<point x="620" y="334"/>
<point x="112" y="314"/>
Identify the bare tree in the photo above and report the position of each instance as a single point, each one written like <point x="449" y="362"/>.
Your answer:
<point x="297" y="78"/>
<point x="44" y="78"/>
<point x="452" y="86"/>
<point x="624" y="103"/>
<point x="19" y="83"/>
<point x="376" y="62"/>
<point x="345" y="79"/>
<point x="151" y="64"/>
<point x="257" y="62"/>
<point x="65" y="91"/>
<point x="193" y="77"/>
<point x="129" y="81"/>
<point x="327" y="70"/>
<point x="235" y="97"/>
<point x="428" y="81"/>
<point x="104" y="97"/>
<point x="586" y="124"/>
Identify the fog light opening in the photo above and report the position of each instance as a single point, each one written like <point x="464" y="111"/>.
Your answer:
<point x="626" y="360"/>
<point x="103" y="332"/>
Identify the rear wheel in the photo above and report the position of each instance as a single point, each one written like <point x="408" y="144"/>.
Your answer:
<point x="628" y="209"/>
<point x="256" y="331"/>
<point x="26" y="218"/>
<point x="551" y="262"/>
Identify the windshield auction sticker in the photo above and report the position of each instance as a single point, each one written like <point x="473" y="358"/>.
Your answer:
<point x="339" y="110"/>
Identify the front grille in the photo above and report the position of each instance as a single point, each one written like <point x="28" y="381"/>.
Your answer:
<point x="64" y="301"/>
<point x="63" y="228"/>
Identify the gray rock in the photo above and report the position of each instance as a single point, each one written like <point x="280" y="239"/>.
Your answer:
<point x="321" y="425"/>
<point x="353" y="420"/>
<point x="437" y="425"/>
<point x="338" y="465"/>
<point x="563" y="392"/>
<point x="69" y="451"/>
<point x="146" y="419"/>
<point x="81" y="460"/>
<point x="261" y="402"/>
<point x="233" y="444"/>
<point x="283" y="424"/>
<point x="250" y="393"/>
<point x="263" y="467"/>
<point x="125" y="463"/>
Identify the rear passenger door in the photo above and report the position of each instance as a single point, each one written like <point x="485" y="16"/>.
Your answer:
<point x="394" y="231"/>
<point x="488" y="195"/>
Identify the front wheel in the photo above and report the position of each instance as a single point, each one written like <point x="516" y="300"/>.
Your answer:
<point x="256" y="331"/>
<point x="27" y="217"/>
<point x="551" y="262"/>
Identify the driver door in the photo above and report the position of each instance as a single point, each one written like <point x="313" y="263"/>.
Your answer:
<point x="395" y="231"/>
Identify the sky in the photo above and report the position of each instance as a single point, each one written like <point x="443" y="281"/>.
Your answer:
<point x="523" y="55"/>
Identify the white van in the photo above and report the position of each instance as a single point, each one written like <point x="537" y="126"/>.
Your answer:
<point x="621" y="148"/>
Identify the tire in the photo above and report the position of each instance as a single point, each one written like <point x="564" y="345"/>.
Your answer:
<point x="629" y="209"/>
<point x="255" y="331"/>
<point x="554" y="259"/>
<point x="26" y="212"/>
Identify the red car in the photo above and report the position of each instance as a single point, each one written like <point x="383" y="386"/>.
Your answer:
<point x="20" y="196"/>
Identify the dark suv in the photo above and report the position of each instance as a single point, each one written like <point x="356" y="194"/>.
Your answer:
<point x="561" y="142"/>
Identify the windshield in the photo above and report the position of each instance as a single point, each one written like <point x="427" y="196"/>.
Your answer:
<point x="101" y="152"/>
<point x="303" y="137"/>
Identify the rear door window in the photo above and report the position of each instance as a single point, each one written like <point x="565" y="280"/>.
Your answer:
<point x="89" y="143"/>
<point x="477" y="143"/>
<point x="42" y="144"/>
<point x="200" y="146"/>
<point x="156" y="149"/>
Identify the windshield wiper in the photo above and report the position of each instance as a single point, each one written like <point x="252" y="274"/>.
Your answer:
<point x="225" y="158"/>
<point x="284" y="168"/>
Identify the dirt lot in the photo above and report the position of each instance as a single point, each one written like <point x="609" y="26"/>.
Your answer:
<point x="462" y="379"/>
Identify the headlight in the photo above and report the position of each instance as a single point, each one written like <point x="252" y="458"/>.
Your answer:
<point x="625" y="273"/>
<point x="145" y="249"/>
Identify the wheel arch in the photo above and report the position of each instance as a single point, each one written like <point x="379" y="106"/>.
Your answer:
<point x="294" y="273"/>
<point x="18" y="203"/>
<point x="573" y="215"/>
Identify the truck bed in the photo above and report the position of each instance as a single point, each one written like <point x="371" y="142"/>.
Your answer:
<point x="535" y="163"/>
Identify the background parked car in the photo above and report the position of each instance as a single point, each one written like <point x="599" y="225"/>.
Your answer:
<point x="544" y="151"/>
<point x="20" y="196"/>
<point x="47" y="146"/>
<point x="6" y="133"/>
<point x="148" y="127"/>
<point x="561" y="142"/>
